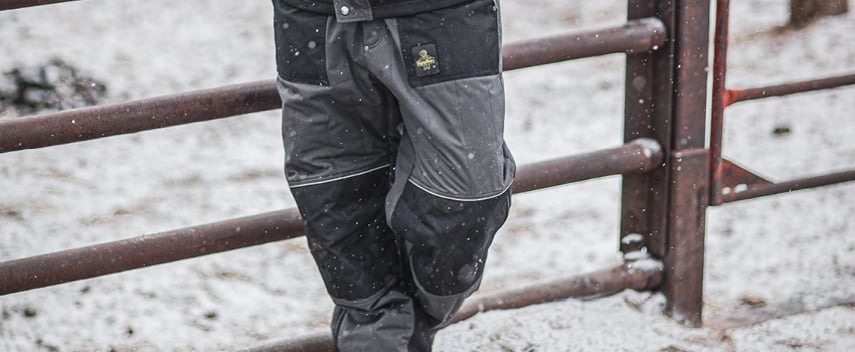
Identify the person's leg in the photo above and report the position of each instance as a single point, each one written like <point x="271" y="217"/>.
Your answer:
<point x="338" y="130"/>
<point x="447" y="242"/>
<point x="452" y="176"/>
<point x="453" y="173"/>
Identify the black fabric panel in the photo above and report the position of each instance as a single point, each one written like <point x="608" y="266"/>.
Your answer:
<point x="300" y="44"/>
<point x="448" y="239"/>
<point x="345" y="223"/>
<point x="397" y="8"/>
<point x="317" y="6"/>
<point x="385" y="327"/>
<point x="380" y="8"/>
<point x="466" y="39"/>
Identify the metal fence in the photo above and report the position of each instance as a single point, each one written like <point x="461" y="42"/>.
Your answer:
<point x="670" y="177"/>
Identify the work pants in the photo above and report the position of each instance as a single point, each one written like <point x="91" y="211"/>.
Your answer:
<point x="395" y="157"/>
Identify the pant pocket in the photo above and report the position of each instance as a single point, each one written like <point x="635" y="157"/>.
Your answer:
<point x="300" y="44"/>
<point x="452" y="43"/>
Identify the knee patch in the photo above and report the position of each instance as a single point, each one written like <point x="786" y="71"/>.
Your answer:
<point x="345" y="226"/>
<point x="447" y="240"/>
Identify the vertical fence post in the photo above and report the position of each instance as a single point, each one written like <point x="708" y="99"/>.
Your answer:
<point x="647" y="114"/>
<point x="689" y="164"/>
<point x="719" y="98"/>
<point x="666" y="94"/>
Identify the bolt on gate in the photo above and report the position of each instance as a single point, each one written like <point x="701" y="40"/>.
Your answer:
<point x="666" y="166"/>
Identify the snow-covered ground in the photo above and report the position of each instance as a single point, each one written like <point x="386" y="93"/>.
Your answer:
<point x="797" y="248"/>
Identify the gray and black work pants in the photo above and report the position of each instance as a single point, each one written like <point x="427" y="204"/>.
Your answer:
<point x="395" y="156"/>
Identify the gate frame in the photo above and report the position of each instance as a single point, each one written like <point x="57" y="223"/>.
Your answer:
<point x="730" y="182"/>
<point x="666" y="93"/>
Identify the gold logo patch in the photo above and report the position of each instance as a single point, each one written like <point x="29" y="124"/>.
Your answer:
<point x="425" y="59"/>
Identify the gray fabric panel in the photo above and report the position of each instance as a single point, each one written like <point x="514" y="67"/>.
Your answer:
<point x="318" y="145"/>
<point x="459" y="147"/>
<point x="455" y="127"/>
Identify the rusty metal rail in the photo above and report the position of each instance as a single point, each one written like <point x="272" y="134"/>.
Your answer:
<point x="204" y="105"/>
<point x="112" y="257"/>
<point x="16" y="4"/>
<point x="634" y="157"/>
<point x="133" y="253"/>
<point x="109" y="120"/>
<point x="735" y="95"/>
<point x="636" y="36"/>
<point x="767" y="189"/>
<point x="639" y="276"/>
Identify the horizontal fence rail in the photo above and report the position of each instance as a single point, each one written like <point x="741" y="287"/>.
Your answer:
<point x="16" y="4"/>
<point x="636" y="36"/>
<point x="112" y="257"/>
<point x="735" y="95"/>
<point x="762" y="190"/>
<point x="133" y="253"/>
<point x="640" y="276"/>
<point x="109" y="120"/>
<point x="210" y="104"/>
<point x="640" y="155"/>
